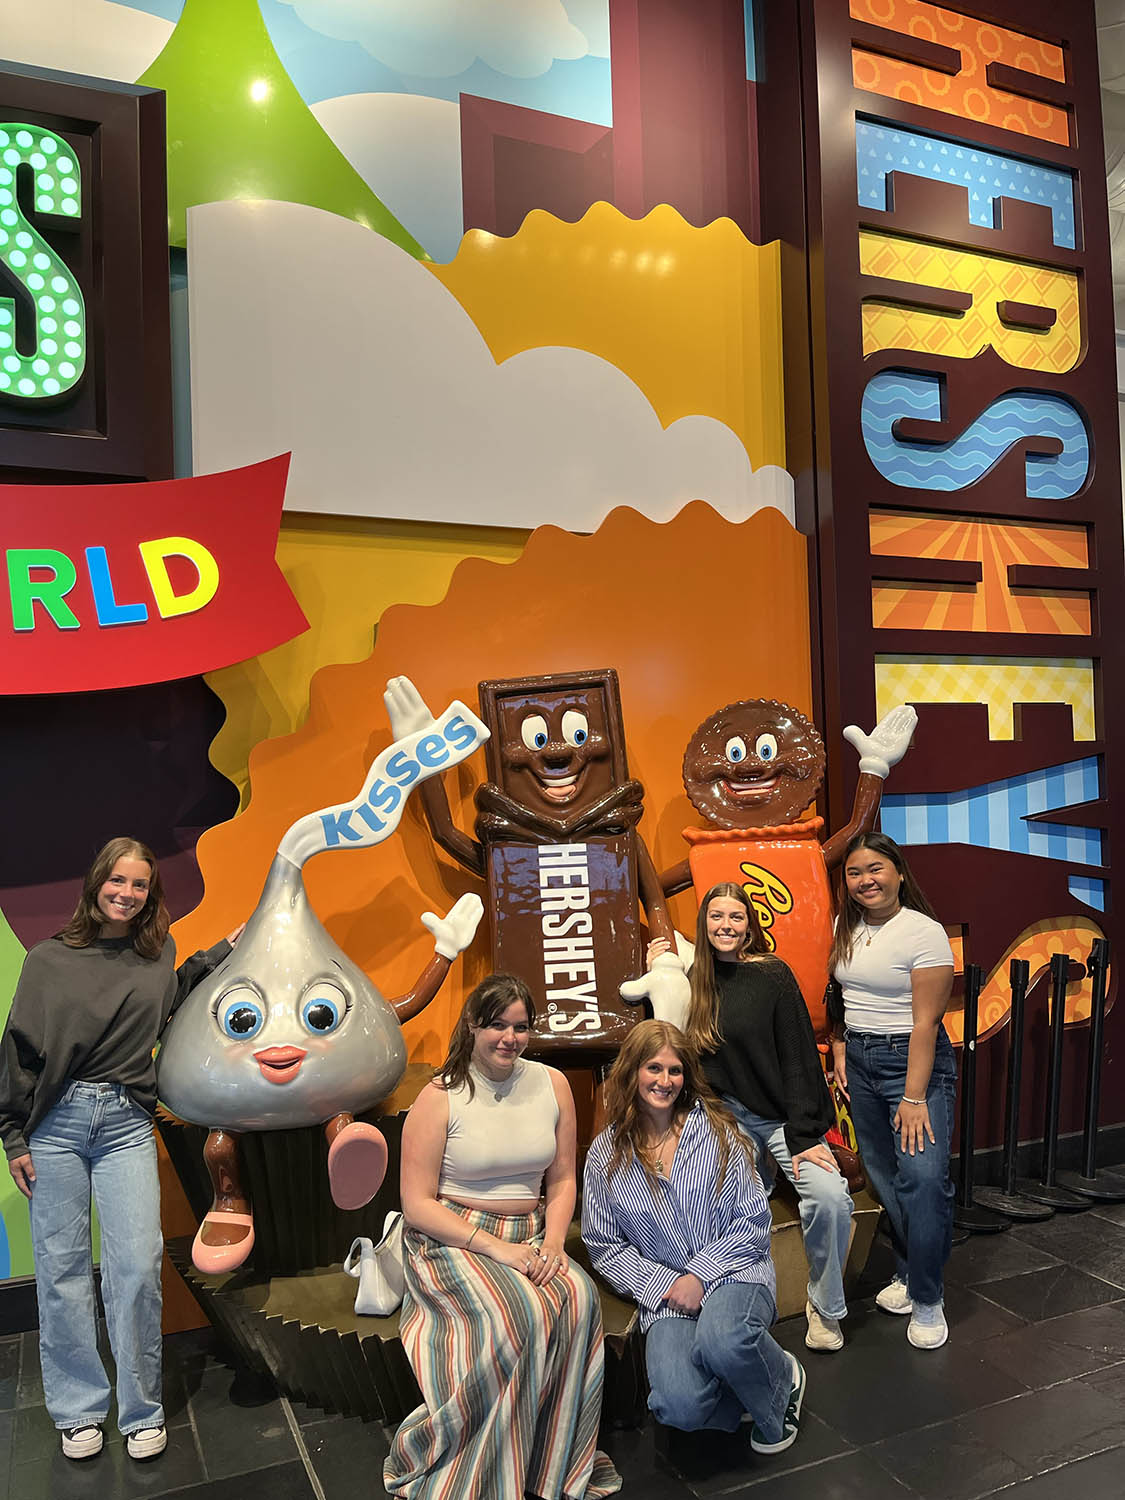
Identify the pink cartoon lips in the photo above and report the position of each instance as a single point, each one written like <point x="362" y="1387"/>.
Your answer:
<point x="280" y="1064"/>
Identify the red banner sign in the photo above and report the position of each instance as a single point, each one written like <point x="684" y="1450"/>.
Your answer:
<point x="112" y="585"/>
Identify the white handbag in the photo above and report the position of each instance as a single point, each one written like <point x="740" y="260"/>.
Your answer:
<point x="378" y="1269"/>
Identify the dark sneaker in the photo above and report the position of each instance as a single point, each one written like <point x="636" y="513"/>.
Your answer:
<point x="82" y="1442"/>
<point x="147" y="1443"/>
<point x="791" y="1421"/>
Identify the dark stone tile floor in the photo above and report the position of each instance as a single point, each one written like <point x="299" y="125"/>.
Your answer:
<point x="1027" y="1398"/>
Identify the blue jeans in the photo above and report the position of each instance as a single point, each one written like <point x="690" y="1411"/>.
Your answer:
<point x="95" y="1136"/>
<point x="824" y="1204"/>
<point x="707" y="1371"/>
<point x="915" y="1190"/>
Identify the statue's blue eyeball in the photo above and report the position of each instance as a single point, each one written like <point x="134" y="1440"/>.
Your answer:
<point x="736" y="749"/>
<point x="533" y="731"/>
<point x="241" y="1014"/>
<point x="323" y="1009"/>
<point x="575" y="727"/>
<point x="766" y="747"/>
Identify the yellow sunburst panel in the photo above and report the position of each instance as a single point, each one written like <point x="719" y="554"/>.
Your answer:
<point x="692" y="316"/>
<point x="1000" y="682"/>
<point x="990" y="279"/>
<point x="345" y="574"/>
<point x="991" y="605"/>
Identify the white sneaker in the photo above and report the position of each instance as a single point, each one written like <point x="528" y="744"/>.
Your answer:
<point x="82" y="1442"/>
<point x="894" y="1298"/>
<point x="927" y="1328"/>
<point x="147" y="1443"/>
<point x="823" y="1333"/>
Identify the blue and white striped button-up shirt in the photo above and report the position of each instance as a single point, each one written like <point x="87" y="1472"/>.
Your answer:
<point x="641" y="1240"/>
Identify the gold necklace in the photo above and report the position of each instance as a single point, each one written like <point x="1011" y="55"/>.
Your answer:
<point x="878" y="927"/>
<point x="659" y="1146"/>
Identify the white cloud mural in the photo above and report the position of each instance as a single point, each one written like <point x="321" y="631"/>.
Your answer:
<point x="310" y="333"/>
<point x="82" y="36"/>
<point x="592" y="19"/>
<point x="438" y="38"/>
<point x="407" y="148"/>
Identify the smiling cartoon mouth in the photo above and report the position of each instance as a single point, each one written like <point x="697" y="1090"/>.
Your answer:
<point x="558" y="788"/>
<point x="280" y="1064"/>
<point x="748" y="791"/>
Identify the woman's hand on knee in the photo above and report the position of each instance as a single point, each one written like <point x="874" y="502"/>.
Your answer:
<point x="819" y="1155"/>
<point x="912" y="1121"/>
<point x="517" y="1257"/>
<point x="685" y="1295"/>
<point x="550" y="1259"/>
<point x="23" y="1173"/>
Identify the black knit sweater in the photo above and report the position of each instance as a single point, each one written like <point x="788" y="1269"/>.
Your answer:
<point x="768" y="1059"/>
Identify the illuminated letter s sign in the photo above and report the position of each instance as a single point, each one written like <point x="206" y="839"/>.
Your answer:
<point x="39" y="166"/>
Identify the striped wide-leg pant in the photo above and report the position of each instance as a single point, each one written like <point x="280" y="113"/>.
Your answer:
<point x="510" y="1373"/>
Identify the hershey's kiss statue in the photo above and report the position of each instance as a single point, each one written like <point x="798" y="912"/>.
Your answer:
<point x="288" y="1031"/>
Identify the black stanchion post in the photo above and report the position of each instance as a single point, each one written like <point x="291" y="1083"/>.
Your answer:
<point x="1004" y="1199"/>
<point x="966" y="1214"/>
<point x="1046" y="1189"/>
<point x="1103" y="1187"/>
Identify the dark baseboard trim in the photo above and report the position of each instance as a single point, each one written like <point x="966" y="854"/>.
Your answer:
<point x="18" y="1308"/>
<point x="988" y="1165"/>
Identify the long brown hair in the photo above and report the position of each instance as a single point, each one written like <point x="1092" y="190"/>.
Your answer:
<point x="851" y="913"/>
<point x="486" y="1004"/>
<point x="702" y="1027"/>
<point x="149" y="930"/>
<point x="623" y="1113"/>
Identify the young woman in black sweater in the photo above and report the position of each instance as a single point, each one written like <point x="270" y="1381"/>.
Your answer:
<point x="77" y="1096"/>
<point x="751" y="1026"/>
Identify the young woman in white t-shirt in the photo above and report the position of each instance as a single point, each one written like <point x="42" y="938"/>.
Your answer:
<point x="893" y="1059"/>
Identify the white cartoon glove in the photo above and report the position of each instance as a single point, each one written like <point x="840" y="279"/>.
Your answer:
<point x="887" y="743"/>
<point x="406" y="708"/>
<point x="455" y="931"/>
<point x="666" y="987"/>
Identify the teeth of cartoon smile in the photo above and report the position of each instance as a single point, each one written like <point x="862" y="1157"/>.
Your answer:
<point x="749" y="788"/>
<point x="558" y="787"/>
<point x="280" y="1064"/>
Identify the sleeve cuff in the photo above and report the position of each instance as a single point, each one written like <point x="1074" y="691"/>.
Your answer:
<point x="657" y="1285"/>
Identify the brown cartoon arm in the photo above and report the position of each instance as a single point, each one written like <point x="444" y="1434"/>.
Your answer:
<point x="676" y="879"/>
<point x="652" y="896"/>
<point x="407" y="1006"/>
<point x="435" y="804"/>
<point x="868" y="795"/>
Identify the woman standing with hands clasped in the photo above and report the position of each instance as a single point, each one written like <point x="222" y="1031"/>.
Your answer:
<point x="893" y="1059"/>
<point x="503" y="1334"/>
<point x="674" y="1217"/>
<point x="77" y="1097"/>
<point x="751" y="1026"/>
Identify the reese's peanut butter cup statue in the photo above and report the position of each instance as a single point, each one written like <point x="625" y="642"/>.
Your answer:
<point x="557" y="840"/>
<point x="751" y="769"/>
<point x="288" y="1031"/>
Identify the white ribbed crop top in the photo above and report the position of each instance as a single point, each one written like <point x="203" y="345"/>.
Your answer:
<point x="501" y="1141"/>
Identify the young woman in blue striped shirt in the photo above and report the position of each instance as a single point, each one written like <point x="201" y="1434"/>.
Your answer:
<point x="674" y="1216"/>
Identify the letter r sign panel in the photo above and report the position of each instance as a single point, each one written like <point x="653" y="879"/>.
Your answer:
<point x="85" y="368"/>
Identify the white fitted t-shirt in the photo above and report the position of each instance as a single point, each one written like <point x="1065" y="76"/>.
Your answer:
<point x="501" y="1141"/>
<point x="876" y="979"/>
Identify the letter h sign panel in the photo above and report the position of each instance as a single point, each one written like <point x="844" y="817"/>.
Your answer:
<point x="85" y="366"/>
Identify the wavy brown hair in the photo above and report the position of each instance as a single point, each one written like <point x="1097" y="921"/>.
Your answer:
<point x="851" y="913"/>
<point x="702" y="1027"/>
<point x="148" y="930"/>
<point x="624" y="1119"/>
<point x="486" y="1004"/>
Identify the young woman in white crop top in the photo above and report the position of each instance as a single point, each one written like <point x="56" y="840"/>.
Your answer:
<point x="495" y="1314"/>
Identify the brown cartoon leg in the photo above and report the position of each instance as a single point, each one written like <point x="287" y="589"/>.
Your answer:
<point x="357" y="1161"/>
<point x="226" y="1236"/>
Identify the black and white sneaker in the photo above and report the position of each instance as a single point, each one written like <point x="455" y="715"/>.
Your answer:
<point x="82" y="1442"/>
<point x="147" y="1443"/>
<point x="792" y="1420"/>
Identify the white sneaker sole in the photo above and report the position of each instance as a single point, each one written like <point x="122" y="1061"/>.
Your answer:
<point x="88" y="1447"/>
<point x="149" y="1448"/>
<point x="927" y="1343"/>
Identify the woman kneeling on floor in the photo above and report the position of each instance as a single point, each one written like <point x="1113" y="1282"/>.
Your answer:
<point x="503" y="1334"/>
<point x="674" y="1216"/>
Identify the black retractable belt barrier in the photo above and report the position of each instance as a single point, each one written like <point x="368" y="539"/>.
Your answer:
<point x="966" y="1214"/>
<point x="1004" y="1199"/>
<point x="1046" y="1189"/>
<point x="1103" y="1187"/>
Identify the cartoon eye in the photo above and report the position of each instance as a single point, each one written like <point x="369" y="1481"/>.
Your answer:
<point x="766" y="747"/>
<point x="575" y="727"/>
<point x="736" y="749"/>
<point x="241" y="1013"/>
<point x="324" y="1009"/>
<point x="533" y="731"/>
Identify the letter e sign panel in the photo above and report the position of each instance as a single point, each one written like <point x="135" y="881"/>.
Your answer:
<point x="85" y="371"/>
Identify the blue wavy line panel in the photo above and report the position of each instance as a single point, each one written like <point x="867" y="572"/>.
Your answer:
<point x="954" y="465"/>
<point x="995" y="814"/>
<point x="1088" y="889"/>
<point x="987" y="175"/>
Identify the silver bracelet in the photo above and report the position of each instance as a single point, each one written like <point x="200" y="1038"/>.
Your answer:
<point x="471" y="1238"/>
<point x="905" y="1100"/>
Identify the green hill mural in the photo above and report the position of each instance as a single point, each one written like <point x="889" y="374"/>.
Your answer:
<point x="238" y="128"/>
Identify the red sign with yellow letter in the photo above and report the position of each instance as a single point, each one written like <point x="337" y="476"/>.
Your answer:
<point x="114" y="585"/>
